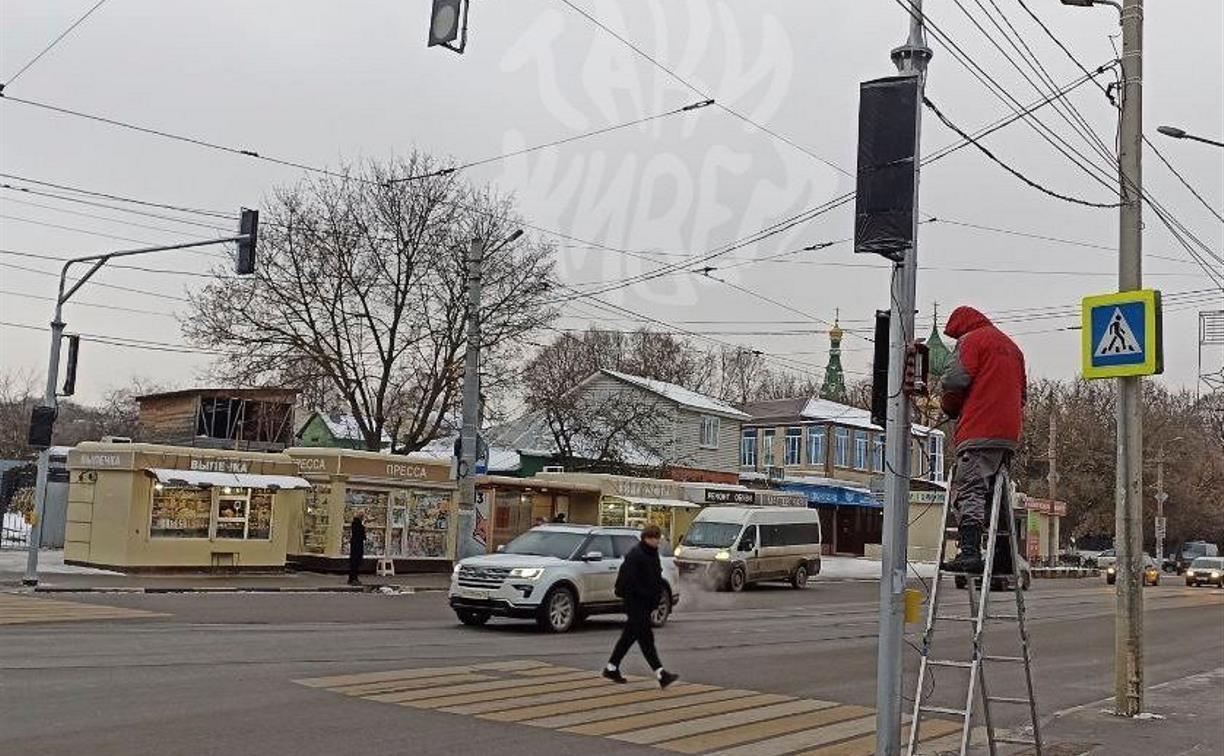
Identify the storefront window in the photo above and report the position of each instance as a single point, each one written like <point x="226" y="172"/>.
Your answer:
<point x="180" y="512"/>
<point x="259" y="517"/>
<point x="232" y="514"/>
<point x="374" y="503"/>
<point x="636" y="515"/>
<point x="427" y="524"/>
<point x="315" y="521"/>
<point x="612" y="513"/>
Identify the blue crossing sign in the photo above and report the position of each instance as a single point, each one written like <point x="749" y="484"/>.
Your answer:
<point x="1122" y="334"/>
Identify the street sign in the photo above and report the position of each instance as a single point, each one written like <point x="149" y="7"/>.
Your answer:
<point x="1161" y="497"/>
<point x="1161" y="527"/>
<point x="1122" y="334"/>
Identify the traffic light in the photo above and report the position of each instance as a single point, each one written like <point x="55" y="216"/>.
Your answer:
<point x="42" y="424"/>
<point x="448" y="24"/>
<point x="879" y="369"/>
<point x="248" y="226"/>
<point x="74" y="348"/>
<point x="917" y="365"/>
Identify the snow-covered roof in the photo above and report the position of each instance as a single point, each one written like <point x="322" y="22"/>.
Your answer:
<point x="680" y="395"/>
<point x="342" y="427"/>
<point x="854" y="417"/>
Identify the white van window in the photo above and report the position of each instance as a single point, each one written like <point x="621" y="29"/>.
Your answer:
<point x="791" y="534"/>
<point x="749" y="541"/>
<point x="713" y="535"/>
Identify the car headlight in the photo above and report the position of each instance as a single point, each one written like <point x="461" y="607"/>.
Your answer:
<point x="458" y="567"/>
<point x="678" y="551"/>
<point x="723" y="555"/>
<point x="527" y="573"/>
<point x="1110" y="571"/>
<point x="1189" y="573"/>
<point x="1215" y="575"/>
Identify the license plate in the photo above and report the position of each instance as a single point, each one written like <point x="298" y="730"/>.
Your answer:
<point x="473" y="593"/>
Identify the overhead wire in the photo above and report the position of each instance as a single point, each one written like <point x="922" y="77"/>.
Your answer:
<point x="50" y="46"/>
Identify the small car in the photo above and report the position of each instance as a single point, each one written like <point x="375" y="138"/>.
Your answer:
<point x="1206" y="570"/>
<point x="555" y="574"/>
<point x="1151" y="572"/>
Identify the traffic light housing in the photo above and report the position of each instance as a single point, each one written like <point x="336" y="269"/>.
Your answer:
<point x="248" y="226"/>
<point x="917" y="365"/>
<point x="42" y="425"/>
<point x="70" y="373"/>
<point x="448" y="24"/>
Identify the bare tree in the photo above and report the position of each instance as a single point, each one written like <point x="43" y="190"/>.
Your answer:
<point x="360" y="297"/>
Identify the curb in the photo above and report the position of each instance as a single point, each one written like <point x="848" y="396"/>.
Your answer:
<point x="1056" y="573"/>
<point x="397" y="590"/>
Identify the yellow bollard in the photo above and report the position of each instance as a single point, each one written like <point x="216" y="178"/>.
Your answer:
<point x="913" y="605"/>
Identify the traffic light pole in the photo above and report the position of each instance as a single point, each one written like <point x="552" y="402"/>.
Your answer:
<point x="910" y="58"/>
<point x="471" y="396"/>
<point x="49" y="393"/>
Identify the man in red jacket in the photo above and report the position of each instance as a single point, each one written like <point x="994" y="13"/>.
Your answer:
<point x="984" y="388"/>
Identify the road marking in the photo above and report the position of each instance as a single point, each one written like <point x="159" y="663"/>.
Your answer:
<point x="686" y="718"/>
<point x="648" y="724"/>
<point x="642" y="703"/>
<point x="567" y="698"/>
<point x="760" y="730"/>
<point x="496" y="685"/>
<point x="865" y="746"/>
<point x="408" y="674"/>
<point x="806" y="739"/>
<point x="16" y="610"/>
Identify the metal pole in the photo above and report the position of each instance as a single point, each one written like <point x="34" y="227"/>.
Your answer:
<point x="910" y="58"/>
<point x="471" y="395"/>
<point x="44" y="456"/>
<point x="1161" y="498"/>
<point x="1128" y="639"/>
<point x="1052" y="481"/>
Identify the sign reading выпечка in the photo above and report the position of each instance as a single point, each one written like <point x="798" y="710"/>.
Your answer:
<point x="1122" y="334"/>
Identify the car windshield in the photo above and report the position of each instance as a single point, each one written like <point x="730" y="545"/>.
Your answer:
<point x="1107" y="552"/>
<point x="1205" y="563"/>
<point x="1194" y="550"/>
<point x="715" y="535"/>
<point x="552" y="543"/>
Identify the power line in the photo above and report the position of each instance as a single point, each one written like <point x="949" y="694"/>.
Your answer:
<point x="123" y="266"/>
<point x="105" y="206"/>
<point x="96" y="305"/>
<point x="119" y="198"/>
<point x="986" y="151"/>
<point x="117" y="287"/>
<point x="109" y="219"/>
<point x="1182" y="178"/>
<point x="52" y="44"/>
<point x="121" y="341"/>
<point x="557" y="142"/>
<point x="701" y="93"/>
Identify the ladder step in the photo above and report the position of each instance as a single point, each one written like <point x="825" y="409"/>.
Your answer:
<point x="963" y="618"/>
<point x="1014" y="741"/>
<point x="943" y="710"/>
<point x="1016" y="659"/>
<point x="1007" y="700"/>
<point x="949" y="663"/>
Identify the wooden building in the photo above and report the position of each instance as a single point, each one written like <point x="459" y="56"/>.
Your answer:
<point x="247" y="419"/>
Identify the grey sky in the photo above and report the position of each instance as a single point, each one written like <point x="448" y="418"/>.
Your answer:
<point x="320" y="82"/>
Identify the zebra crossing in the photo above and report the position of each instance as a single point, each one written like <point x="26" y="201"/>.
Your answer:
<point x="21" y="609"/>
<point x="687" y="718"/>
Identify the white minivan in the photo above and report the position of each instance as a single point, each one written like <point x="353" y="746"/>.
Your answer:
<point x="727" y="548"/>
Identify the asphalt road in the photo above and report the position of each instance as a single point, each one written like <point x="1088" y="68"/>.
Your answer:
<point x="195" y="674"/>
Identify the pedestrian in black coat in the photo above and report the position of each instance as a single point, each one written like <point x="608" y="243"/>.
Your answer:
<point x="640" y="585"/>
<point x="356" y="547"/>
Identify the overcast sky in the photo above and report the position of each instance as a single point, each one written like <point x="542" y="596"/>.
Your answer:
<point x="320" y="82"/>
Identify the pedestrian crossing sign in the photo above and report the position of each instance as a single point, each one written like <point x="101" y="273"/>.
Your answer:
<point x="1122" y="334"/>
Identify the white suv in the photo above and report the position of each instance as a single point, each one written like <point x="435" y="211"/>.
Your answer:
<point x="556" y="575"/>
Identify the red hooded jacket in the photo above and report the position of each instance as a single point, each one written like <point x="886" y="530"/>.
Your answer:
<point x="984" y="385"/>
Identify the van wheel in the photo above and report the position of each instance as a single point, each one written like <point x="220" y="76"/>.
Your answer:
<point x="658" y="618"/>
<point x="472" y="618"/>
<point x="736" y="580"/>
<point x="800" y="577"/>
<point x="558" y="611"/>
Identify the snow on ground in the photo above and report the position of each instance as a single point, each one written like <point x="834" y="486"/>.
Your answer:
<point x="862" y="568"/>
<point x="50" y="562"/>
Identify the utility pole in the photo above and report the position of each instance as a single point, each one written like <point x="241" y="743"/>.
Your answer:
<point x="1128" y="535"/>
<point x="1161" y="498"/>
<point x="471" y="395"/>
<point x="910" y="58"/>
<point x="1052" y="482"/>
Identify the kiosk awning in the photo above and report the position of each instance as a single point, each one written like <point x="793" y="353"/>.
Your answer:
<point x="205" y="478"/>
<point x="648" y="501"/>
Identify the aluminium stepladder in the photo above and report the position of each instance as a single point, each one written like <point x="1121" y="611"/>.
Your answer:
<point x="981" y="615"/>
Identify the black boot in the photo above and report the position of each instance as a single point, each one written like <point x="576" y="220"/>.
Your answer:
<point x="969" y="560"/>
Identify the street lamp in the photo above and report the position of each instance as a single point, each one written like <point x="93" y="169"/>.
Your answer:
<point x="1090" y="3"/>
<point x="1176" y="133"/>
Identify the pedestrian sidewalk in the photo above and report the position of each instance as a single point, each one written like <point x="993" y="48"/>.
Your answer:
<point x="55" y="576"/>
<point x="1182" y="717"/>
<point x="862" y="568"/>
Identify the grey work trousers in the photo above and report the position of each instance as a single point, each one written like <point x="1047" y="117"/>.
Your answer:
<point x="973" y="483"/>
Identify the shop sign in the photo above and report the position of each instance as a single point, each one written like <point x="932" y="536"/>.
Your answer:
<point x="101" y="460"/>
<point x="311" y="464"/>
<point x="723" y="496"/>
<point x="644" y="488"/>
<point x="219" y="464"/>
<point x="927" y="497"/>
<point x="768" y="499"/>
<point x="1046" y="506"/>
<point x="411" y="472"/>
